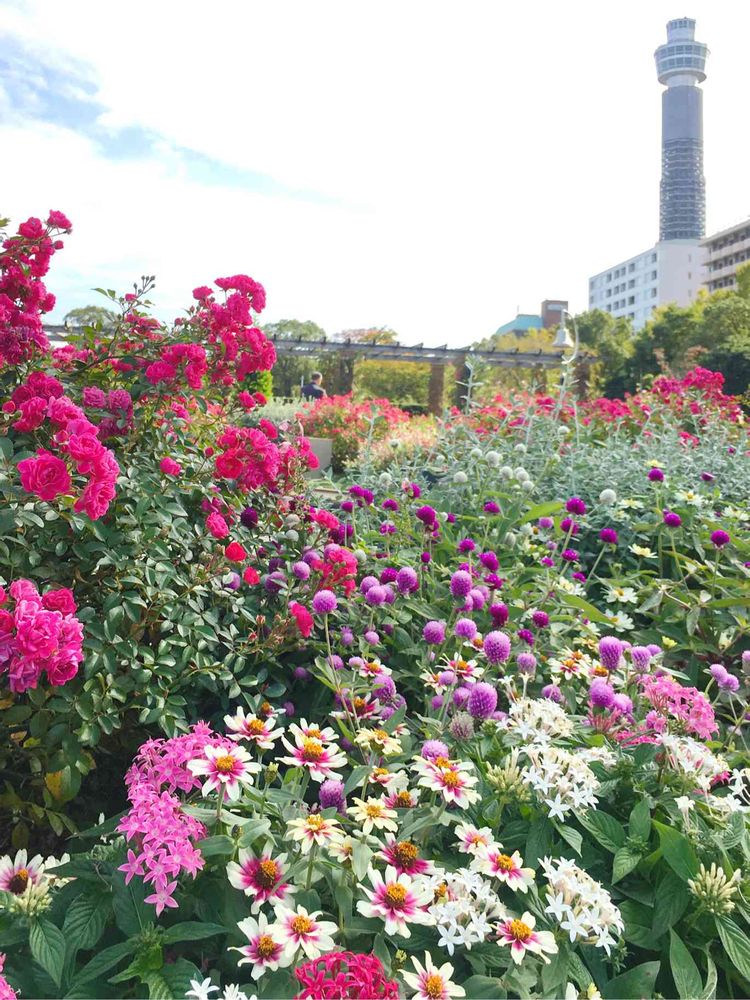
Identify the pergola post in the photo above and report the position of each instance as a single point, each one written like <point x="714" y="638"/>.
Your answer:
<point x="462" y="376"/>
<point x="436" y="389"/>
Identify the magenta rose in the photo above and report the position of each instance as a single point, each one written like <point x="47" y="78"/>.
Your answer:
<point x="85" y="450"/>
<point x="61" y="600"/>
<point x="33" y="412"/>
<point x="23" y="673"/>
<point x="96" y="498"/>
<point x="169" y="467"/>
<point x="25" y="590"/>
<point x="217" y="525"/>
<point x="37" y="634"/>
<point x="44" y="474"/>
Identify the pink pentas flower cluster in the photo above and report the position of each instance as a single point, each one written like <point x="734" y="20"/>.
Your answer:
<point x="47" y="474"/>
<point x="162" y="835"/>
<point x="685" y="704"/>
<point x="39" y="634"/>
<point x="24" y="260"/>
<point x="6" y="990"/>
<point x="344" y="975"/>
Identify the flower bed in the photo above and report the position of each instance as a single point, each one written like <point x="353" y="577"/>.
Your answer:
<point x="480" y="736"/>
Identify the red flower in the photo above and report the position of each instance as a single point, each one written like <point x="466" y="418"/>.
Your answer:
<point x="250" y="576"/>
<point x="235" y="552"/>
<point x="303" y="618"/>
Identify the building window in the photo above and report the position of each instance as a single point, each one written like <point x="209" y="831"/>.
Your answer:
<point x="609" y="293"/>
<point x="631" y="268"/>
<point x="653" y="275"/>
<point x="631" y="283"/>
<point x="609" y="276"/>
<point x="631" y="300"/>
<point x="653" y="293"/>
<point x="653" y="258"/>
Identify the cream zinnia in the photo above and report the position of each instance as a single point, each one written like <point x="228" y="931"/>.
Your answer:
<point x="227" y="768"/>
<point x="397" y="899"/>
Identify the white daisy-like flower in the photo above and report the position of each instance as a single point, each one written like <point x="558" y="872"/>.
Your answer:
<point x="432" y="982"/>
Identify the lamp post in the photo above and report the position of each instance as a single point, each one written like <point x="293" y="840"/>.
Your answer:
<point x="565" y="342"/>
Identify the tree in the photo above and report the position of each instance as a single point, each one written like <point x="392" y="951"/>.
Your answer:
<point x="611" y="340"/>
<point x="96" y="316"/>
<point x="290" y="371"/>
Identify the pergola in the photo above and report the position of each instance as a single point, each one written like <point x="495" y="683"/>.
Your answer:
<point x="460" y="358"/>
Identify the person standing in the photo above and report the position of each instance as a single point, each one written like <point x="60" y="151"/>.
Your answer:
<point x="313" y="389"/>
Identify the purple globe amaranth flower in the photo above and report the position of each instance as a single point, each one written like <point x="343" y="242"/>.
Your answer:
<point x="336" y="662"/>
<point x="347" y="506"/>
<point x="540" y="619"/>
<point x="311" y="556"/>
<point x="407" y="580"/>
<point x="493" y="581"/>
<point x="576" y="506"/>
<point x="526" y="663"/>
<point x="412" y="490"/>
<point x="355" y="662"/>
<point x="601" y="694"/>
<point x="465" y="628"/>
<point x="499" y="613"/>
<point x="482" y="700"/>
<point x="324" y="602"/>
<point x="477" y="599"/>
<point x="274" y="564"/>
<point x="450" y="518"/>
<point x="671" y="519"/>
<point x="302" y="674"/>
<point x="425" y="558"/>
<point x="610" y="651"/>
<point x="525" y="635"/>
<point x="249" y="517"/>
<point x="718" y="671"/>
<point x="437" y="701"/>
<point x="375" y="595"/>
<point x="546" y="561"/>
<point x="608" y="536"/>
<point x="347" y="636"/>
<point x="366" y="582"/>
<point x="489" y="560"/>
<point x="461" y="696"/>
<point x="623" y="704"/>
<point x="447" y="678"/>
<point x="654" y="649"/>
<point x="372" y="637"/>
<point x="387" y="528"/>
<point x="461" y="583"/>
<point x="496" y="647"/>
<point x="301" y="570"/>
<point x="331" y="794"/>
<point x="545" y="523"/>
<point x="570" y="555"/>
<point x="641" y="657"/>
<point x="427" y="515"/>
<point x="434" y="748"/>
<point x="288" y="708"/>
<point x="552" y="692"/>
<point x="461" y="727"/>
<point x="390" y="504"/>
<point x="385" y="689"/>
<point x="434" y="633"/>
<point x="274" y="582"/>
<point x="719" y="538"/>
<point x="656" y="475"/>
<point x="388" y="574"/>
<point x="390" y="595"/>
<point x="581" y="577"/>
<point x="232" y="581"/>
<point x="569" y="525"/>
<point x="467" y="545"/>
<point x="746" y="659"/>
<point x="491" y="507"/>
<point x="707" y="477"/>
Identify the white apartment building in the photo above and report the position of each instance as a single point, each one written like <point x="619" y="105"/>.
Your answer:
<point x="671" y="271"/>
<point x="724" y="253"/>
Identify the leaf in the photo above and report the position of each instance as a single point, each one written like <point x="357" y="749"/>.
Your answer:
<point x="484" y="988"/>
<point x="131" y="913"/>
<point x="671" y="901"/>
<point x="361" y="855"/>
<point x="677" y="852"/>
<point x="736" y="945"/>
<point x="571" y="836"/>
<point x="211" y="846"/>
<point x="685" y="973"/>
<point x="639" y="824"/>
<point x="48" y="947"/>
<point x="191" y="930"/>
<point x="605" y="828"/>
<point x="624" y="862"/>
<point x="709" y="991"/>
<point x="573" y="601"/>
<point x="104" y="961"/>
<point x="177" y="976"/>
<point x="634" y="984"/>
<point x="85" y="920"/>
<point x="541" y="510"/>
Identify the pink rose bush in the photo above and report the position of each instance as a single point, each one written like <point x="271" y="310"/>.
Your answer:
<point x="39" y="635"/>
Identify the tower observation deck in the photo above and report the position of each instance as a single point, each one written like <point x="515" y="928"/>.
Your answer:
<point x="680" y="65"/>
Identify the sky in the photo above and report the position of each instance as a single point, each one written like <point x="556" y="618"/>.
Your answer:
<point x="430" y="166"/>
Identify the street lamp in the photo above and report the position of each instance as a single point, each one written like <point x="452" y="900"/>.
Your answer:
<point x="564" y="342"/>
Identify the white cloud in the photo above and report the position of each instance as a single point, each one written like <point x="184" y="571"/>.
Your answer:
<point x="480" y="156"/>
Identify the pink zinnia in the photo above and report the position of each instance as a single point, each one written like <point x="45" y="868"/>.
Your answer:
<point x="262" y="878"/>
<point x="397" y="900"/>
<point x="522" y="937"/>
<point x="403" y="855"/>
<point x="224" y="767"/>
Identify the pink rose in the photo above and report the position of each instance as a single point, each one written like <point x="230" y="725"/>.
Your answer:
<point x="25" y="590"/>
<point x="44" y="474"/>
<point x="37" y="635"/>
<point x="85" y="450"/>
<point x="24" y="672"/>
<point x="216" y="524"/>
<point x="96" y="498"/>
<point x="32" y="414"/>
<point x="62" y="410"/>
<point x="169" y="467"/>
<point x="61" y="600"/>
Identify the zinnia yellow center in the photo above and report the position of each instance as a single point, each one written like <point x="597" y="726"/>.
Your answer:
<point x="434" y="987"/>
<point x="381" y="734"/>
<point x="314" y="733"/>
<point x="519" y="930"/>
<point x="315" y="823"/>
<point x="403" y="800"/>
<point x="374" y="810"/>
<point x="255" y="727"/>
<point x="225" y="764"/>
<point x="504" y="863"/>
<point x="405" y="853"/>
<point x="265" y="946"/>
<point x="268" y="873"/>
<point x="359" y="704"/>
<point x="451" y="779"/>
<point x="18" y="883"/>
<point x="396" y="894"/>
<point x="312" y="750"/>
<point x="301" y="925"/>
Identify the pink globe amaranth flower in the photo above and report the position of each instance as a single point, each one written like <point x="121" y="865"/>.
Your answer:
<point x="324" y="602"/>
<point x="465" y="628"/>
<point x="45" y="474"/>
<point x="169" y="467"/>
<point x="482" y="700"/>
<point x="610" y="651"/>
<point x="552" y="692"/>
<point x="434" y="632"/>
<point x="407" y="580"/>
<point x="575" y="506"/>
<point x="526" y="663"/>
<point x="499" y="614"/>
<point x="656" y="475"/>
<point x="719" y="538"/>
<point x="461" y="583"/>
<point x="601" y="694"/>
<point x="671" y="519"/>
<point x="496" y="647"/>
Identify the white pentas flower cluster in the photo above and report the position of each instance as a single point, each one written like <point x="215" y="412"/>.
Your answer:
<point x="693" y="761"/>
<point x="463" y="908"/>
<point x="536" y="720"/>
<point x="580" y="905"/>
<point x="561" y="780"/>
